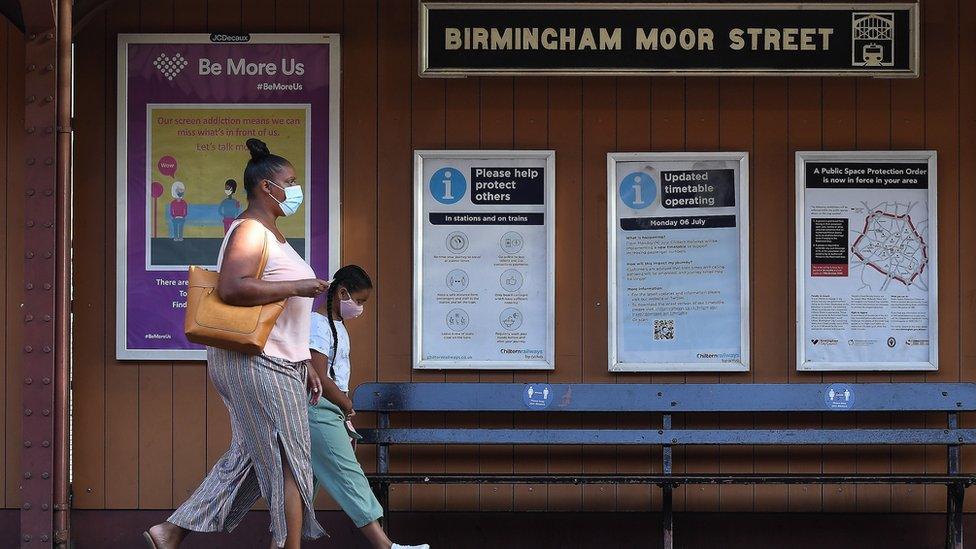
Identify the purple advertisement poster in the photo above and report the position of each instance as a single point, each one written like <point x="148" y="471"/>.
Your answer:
<point x="187" y="105"/>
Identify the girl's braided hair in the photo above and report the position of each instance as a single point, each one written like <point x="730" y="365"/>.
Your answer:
<point x="353" y="278"/>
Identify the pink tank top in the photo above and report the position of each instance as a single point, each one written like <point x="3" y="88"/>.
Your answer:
<point x="289" y="337"/>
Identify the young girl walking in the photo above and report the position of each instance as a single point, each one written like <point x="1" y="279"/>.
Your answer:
<point x="333" y="457"/>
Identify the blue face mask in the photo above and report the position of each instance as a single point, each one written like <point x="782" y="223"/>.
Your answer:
<point x="293" y="198"/>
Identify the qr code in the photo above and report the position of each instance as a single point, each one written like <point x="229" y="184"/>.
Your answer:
<point x="663" y="329"/>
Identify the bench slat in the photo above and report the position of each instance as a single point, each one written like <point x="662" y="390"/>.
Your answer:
<point x="671" y="398"/>
<point x="683" y="478"/>
<point x="672" y="436"/>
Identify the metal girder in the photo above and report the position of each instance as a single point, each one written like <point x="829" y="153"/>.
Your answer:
<point x="41" y="292"/>
<point x="39" y="15"/>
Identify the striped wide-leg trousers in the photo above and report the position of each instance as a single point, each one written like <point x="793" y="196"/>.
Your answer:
<point x="269" y="416"/>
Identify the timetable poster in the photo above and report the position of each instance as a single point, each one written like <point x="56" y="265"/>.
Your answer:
<point x="678" y="262"/>
<point x="188" y="103"/>
<point x="483" y="259"/>
<point x="866" y="260"/>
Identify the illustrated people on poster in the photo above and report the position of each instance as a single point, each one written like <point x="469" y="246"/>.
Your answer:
<point x="178" y="209"/>
<point x="229" y="207"/>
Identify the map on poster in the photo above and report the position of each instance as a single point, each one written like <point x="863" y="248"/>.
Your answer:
<point x="867" y="253"/>
<point x="678" y="262"/>
<point x="483" y="260"/>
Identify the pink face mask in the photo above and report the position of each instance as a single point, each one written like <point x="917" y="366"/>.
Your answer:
<point x="349" y="309"/>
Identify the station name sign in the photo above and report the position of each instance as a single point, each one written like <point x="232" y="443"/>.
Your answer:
<point x="460" y="39"/>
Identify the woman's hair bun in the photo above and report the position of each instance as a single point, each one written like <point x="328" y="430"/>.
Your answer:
<point x="258" y="149"/>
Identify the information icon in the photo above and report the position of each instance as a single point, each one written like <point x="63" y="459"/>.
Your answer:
<point x="448" y="186"/>
<point x="511" y="280"/>
<point x="638" y="190"/>
<point x="457" y="242"/>
<point x="457" y="320"/>
<point x="511" y="319"/>
<point x="457" y="280"/>
<point x="511" y="242"/>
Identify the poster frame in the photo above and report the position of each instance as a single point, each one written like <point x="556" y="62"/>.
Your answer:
<point x="418" y="249"/>
<point x="333" y="40"/>
<point x="929" y="156"/>
<point x="425" y="71"/>
<point x="744" y="274"/>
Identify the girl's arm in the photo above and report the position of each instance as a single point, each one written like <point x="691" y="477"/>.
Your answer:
<point x="330" y="390"/>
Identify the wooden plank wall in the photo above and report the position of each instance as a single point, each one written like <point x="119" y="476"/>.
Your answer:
<point x="11" y="256"/>
<point x="145" y="433"/>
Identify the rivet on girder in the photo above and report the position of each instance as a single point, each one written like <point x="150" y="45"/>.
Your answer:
<point x="48" y="98"/>
<point x="50" y="36"/>
<point x="49" y="224"/>
<point x="31" y="68"/>
<point x="30" y="255"/>
<point x="48" y="161"/>
<point x="46" y="381"/>
<point x="48" y="255"/>
<point x="31" y="223"/>
<point x="47" y="286"/>
<point x="49" y="67"/>
<point x="44" y="507"/>
<point x="31" y="130"/>
<point x="47" y="349"/>
<point x="45" y="444"/>
<point x="44" y="538"/>
<point x="28" y="412"/>
<point x="31" y="98"/>
<point x="28" y="349"/>
<point x="49" y="130"/>
<point x="48" y="192"/>
<point x="31" y="36"/>
<point x="29" y="286"/>
<point x="27" y="475"/>
<point x="30" y="192"/>
<point x="45" y="412"/>
<point x="31" y="161"/>
<point x="28" y="318"/>
<point x="27" y="538"/>
<point x="47" y="318"/>
<point x="28" y="380"/>
<point x="45" y="475"/>
<point x="27" y="444"/>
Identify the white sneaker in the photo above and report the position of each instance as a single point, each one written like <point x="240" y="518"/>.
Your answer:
<point x="398" y="546"/>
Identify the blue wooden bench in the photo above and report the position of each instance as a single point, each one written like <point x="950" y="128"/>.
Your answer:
<point x="668" y="400"/>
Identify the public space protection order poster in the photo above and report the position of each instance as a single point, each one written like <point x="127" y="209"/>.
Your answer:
<point x="678" y="263"/>
<point x="186" y="106"/>
<point x="484" y="233"/>
<point x="866" y="289"/>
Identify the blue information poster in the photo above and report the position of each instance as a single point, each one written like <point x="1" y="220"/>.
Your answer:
<point x="678" y="262"/>
<point x="483" y="260"/>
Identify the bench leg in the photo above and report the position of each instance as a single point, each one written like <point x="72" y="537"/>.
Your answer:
<point x="954" y="495"/>
<point x="667" y="517"/>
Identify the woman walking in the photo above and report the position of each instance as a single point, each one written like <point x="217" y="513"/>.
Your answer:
<point x="333" y="457"/>
<point x="265" y="394"/>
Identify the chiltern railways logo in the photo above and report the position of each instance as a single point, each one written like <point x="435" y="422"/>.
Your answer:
<point x="168" y="66"/>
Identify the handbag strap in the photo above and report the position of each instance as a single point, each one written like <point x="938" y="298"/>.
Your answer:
<point x="264" y="253"/>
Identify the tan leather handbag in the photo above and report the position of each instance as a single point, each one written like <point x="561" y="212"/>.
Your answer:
<point x="210" y="321"/>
